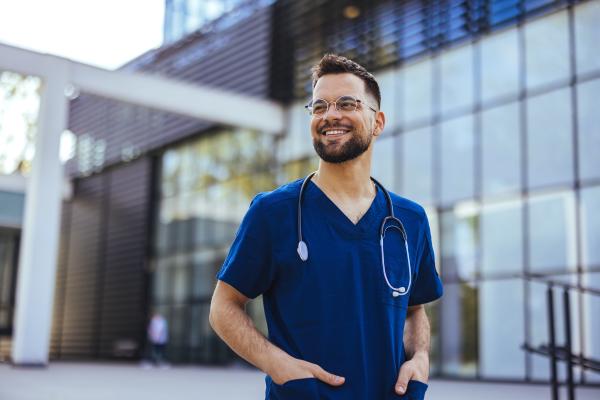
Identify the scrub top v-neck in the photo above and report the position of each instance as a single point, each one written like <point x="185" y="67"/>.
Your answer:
<point x="335" y="309"/>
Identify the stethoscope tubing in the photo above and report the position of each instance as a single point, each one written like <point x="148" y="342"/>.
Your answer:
<point x="303" y="249"/>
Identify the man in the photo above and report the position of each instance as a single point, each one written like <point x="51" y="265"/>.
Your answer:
<point x="158" y="335"/>
<point x="344" y="310"/>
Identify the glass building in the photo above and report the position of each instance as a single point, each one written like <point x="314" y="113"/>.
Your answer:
<point x="183" y="17"/>
<point x="496" y="136"/>
<point x="492" y="126"/>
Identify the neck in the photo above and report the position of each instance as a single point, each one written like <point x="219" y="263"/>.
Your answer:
<point x="351" y="179"/>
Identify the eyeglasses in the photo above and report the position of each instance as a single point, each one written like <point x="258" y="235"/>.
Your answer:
<point x="319" y="107"/>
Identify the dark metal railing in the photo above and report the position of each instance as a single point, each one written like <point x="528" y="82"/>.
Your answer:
<point x="562" y="353"/>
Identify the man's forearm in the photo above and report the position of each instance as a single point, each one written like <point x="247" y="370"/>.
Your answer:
<point x="416" y="332"/>
<point x="236" y="328"/>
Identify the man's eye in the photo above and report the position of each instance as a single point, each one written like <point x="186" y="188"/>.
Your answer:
<point x="347" y="105"/>
<point x="319" y="108"/>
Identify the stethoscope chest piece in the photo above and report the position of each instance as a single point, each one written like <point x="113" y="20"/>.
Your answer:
<point x="302" y="250"/>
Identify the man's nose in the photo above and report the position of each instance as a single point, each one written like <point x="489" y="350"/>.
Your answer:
<point x="332" y="113"/>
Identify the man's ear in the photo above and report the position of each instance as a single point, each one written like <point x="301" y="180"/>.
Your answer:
<point x="379" y="123"/>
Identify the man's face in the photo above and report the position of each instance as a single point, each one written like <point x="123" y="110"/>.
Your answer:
<point x="340" y="136"/>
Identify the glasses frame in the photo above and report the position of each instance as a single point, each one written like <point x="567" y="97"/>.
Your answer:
<point x="358" y="102"/>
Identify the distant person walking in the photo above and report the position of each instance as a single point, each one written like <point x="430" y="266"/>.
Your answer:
<point x="158" y="335"/>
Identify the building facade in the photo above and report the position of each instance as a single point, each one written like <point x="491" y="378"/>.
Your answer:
<point x="491" y="125"/>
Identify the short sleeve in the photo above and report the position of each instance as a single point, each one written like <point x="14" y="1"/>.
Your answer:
<point x="427" y="285"/>
<point x="248" y="266"/>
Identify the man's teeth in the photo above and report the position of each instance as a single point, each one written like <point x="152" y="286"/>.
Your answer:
<point x="335" y="132"/>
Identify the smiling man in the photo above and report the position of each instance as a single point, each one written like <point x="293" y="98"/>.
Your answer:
<point x="344" y="266"/>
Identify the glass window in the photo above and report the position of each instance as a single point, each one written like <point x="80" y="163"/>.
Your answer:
<point x="459" y="238"/>
<point x="501" y="329"/>
<point x="384" y="167"/>
<point x="587" y="36"/>
<point x="204" y="274"/>
<point x="500" y="65"/>
<point x="162" y="282"/>
<point x="457" y="79"/>
<point x="549" y="143"/>
<point x="389" y="83"/>
<point x="457" y="159"/>
<point x="459" y="345"/>
<point x="502" y="238"/>
<point x="181" y="279"/>
<point x="500" y="146"/>
<point x="590" y="227"/>
<point x="588" y="118"/>
<point x="296" y="142"/>
<point x="552" y="232"/>
<point x="417" y="99"/>
<point x="591" y="321"/>
<point x="547" y="55"/>
<point x="417" y="156"/>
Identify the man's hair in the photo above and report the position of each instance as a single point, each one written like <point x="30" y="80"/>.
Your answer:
<point x="334" y="64"/>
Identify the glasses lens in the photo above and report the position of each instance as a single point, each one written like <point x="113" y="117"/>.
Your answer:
<point x="346" y="103"/>
<point x="319" y="107"/>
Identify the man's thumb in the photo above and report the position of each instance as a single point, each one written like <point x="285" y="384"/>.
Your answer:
<point x="327" y="377"/>
<point x="403" y="378"/>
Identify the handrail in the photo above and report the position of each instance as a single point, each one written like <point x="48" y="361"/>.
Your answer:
<point x="543" y="279"/>
<point x="552" y="350"/>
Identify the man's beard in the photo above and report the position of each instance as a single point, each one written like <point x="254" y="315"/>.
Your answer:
<point x="352" y="148"/>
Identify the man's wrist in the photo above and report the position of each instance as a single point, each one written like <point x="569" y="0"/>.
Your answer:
<point x="421" y="355"/>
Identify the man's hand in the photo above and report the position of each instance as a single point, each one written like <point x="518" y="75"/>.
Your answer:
<point x="293" y="368"/>
<point x="417" y="368"/>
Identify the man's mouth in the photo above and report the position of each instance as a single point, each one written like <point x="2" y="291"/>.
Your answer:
<point x="334" y="132"/>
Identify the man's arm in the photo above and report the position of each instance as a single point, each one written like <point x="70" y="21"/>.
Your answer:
<point x="416" y="345"/>
<point x="230" y="321"/>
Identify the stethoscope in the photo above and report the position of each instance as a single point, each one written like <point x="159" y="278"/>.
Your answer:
<point x="303" y="249"/>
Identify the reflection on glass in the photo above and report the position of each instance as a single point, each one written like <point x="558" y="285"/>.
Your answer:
<point x="433" y="314"/>
<point x="299" y="168"/>
<point x="587" y="37"/>
<point x="384" y="166"/>
<point x="502" y="238"/>
<point x="178" y="334"/>
<point x="206" y="264"/>
<point x="590" y="227"/>
<point x="457" y="79"/>
<point x="206" y="188"/>
<point x="500" y="146"/>
<point x="297" y="142"/>
<point x="460" y="235"/>
<point x="552" y="232"/>
<point x="547" y="50"/>
<point x="390" y="104"/>
<point x="459" y="311"/>
<point x="501" y="329"/>
<point x="417" y="149"/>
<point x="588" y="121"/>
<point x="549" y="139"/>
<point x="162" y="282"/>
<point x="500" y="65"/>
<point x="457" y="159"/>
<point x="417" y="99"/>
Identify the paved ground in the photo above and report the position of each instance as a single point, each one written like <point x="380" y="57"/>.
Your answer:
<point x="95" y="381"/>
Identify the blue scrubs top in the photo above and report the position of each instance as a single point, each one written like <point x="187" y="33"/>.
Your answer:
<point x="335" y="309"/>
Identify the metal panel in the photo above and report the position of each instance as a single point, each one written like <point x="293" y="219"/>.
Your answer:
<point x="99" y="309"/>
<point x="237" y="59"/>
